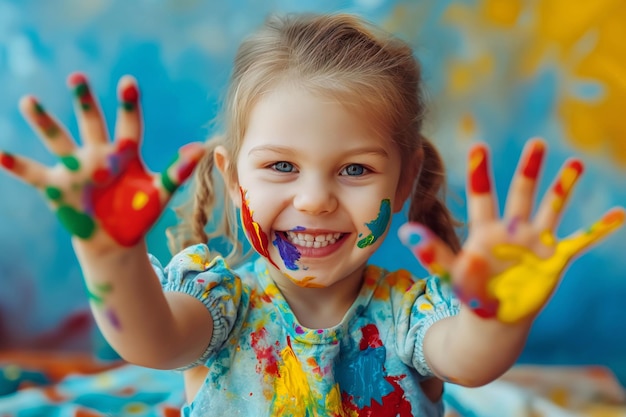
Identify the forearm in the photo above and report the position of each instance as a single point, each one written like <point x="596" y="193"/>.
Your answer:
<point x="142" y="323"/>
<point x="472" y="351"/>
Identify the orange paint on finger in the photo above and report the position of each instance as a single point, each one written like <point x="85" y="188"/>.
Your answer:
<point x="566" y="182"/>
<point x="479" y="180"/>
<point x="614" y="217"/>
<point x="533" y="162"/>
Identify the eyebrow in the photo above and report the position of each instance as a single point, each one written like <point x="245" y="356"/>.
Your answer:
<point x="371" y="150"/>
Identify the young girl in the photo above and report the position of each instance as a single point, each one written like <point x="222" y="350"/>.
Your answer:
<point x="321" y="145"/>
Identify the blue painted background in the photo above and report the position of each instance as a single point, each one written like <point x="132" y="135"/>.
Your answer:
<point x="495" y="70"/>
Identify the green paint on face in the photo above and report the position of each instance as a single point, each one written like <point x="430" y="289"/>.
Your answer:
<point x="378" y="226"/>
<point x="79" y="224"/>
<point x="70" y="162"/>
<point x="53" y="193"/>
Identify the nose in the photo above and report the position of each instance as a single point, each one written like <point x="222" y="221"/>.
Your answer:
<point x="315" y="196"/>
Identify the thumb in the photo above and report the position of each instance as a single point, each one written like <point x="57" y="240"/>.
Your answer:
<point x="182" y="166"/>
<point x="431" y="251"/>
<point x="576" y="243"/>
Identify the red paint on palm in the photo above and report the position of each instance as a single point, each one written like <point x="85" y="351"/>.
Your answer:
<point x="473" y="288"/>
<point x="128" y="206"/>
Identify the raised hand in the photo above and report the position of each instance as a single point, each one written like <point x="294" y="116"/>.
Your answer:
<point x="101" y="192"/>
<point x="509" y="266"/>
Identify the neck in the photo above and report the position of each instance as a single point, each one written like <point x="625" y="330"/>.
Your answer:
<point x="320" y="308"/>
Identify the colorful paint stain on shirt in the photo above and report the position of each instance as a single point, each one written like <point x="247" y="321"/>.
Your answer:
<point x="377" y="226"/>
<point x="366" y="388"/>
<point x="263" y="361"/>
<point x="293" y="393"/>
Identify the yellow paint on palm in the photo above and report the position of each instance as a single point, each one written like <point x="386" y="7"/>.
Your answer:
<point x="524" y="288"/>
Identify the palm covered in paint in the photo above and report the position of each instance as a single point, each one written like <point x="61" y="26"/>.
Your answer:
<point x="103" y="185"/>
<point x="509" y="266"/>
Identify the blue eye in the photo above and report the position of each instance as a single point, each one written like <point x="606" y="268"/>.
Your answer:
<point x="353" y="170"/>
<point x="283" y="166"/>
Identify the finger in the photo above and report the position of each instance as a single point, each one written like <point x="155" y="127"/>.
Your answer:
<point x="181" y="167"/>
<point x="552" y="204"/>
<point x="90" y="122"/>
<point x="576" y="243"/>
<point x="431" y="251"/>
<point x="519" y="202"/>
<point x="128" y="125"/>
<point x="481" y="199"/>
<point x="27" y="170"/>
<point x="52" y="134"/>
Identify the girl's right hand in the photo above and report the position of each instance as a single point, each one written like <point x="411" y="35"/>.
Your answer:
<point x="101" y="192"/>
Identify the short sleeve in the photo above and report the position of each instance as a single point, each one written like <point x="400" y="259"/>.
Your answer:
<point x="210" y="280"/>
<point x="426" y="302"/>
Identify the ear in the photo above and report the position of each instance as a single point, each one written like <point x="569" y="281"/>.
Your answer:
<point x="223" y="163"/>
<point x="406" y="182"/>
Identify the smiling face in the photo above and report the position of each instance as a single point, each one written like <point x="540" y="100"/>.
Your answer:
<point x="316" y="188"/>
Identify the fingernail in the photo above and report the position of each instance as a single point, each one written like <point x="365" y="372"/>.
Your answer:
<point x="412" y="234"/>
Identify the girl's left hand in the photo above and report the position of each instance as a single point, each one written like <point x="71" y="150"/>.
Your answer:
<point x="509" y="266"/>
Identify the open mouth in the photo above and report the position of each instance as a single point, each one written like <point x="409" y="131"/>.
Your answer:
<point x="308" y="240"/>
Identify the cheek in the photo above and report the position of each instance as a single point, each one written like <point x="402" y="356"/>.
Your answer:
<point x="377" y="226"/>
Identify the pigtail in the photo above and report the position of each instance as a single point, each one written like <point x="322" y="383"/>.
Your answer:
<point x="428" y="203"/>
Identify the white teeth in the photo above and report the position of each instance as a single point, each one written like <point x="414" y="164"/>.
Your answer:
<point x="312" y="241"/>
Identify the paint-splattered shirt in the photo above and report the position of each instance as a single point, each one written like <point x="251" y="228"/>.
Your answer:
<point x="262" y="362"/>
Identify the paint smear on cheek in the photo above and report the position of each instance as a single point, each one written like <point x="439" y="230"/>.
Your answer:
<point x="288" y="252"/>
<point x="378" y="226"/>
<point x="258" y="238"/>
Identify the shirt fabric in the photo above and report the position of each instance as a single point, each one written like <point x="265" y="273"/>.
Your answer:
<point x="262" y="362"/>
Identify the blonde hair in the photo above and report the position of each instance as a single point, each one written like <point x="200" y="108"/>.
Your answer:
<point x="341" y="56"/>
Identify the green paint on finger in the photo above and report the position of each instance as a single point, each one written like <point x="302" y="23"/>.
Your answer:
<point x="70" y="162"/>
<point x="377" y="226"/>
<point x="53" y="193"/>
<point x="78" y="224"/>
<point x="167" y="182"/>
